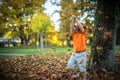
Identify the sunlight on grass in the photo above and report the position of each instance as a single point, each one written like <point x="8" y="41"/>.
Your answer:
<point x="34" y="50"/>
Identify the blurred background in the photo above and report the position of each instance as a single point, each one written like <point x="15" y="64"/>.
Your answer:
<point x="43" y="22"/>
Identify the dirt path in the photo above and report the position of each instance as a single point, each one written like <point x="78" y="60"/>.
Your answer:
<point x="11" y="54"/>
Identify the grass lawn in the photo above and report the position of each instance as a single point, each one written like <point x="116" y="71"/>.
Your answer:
<point x="19" y="49"/>
<point x="33" y="49"/>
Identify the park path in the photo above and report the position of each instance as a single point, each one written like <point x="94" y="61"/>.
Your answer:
<point x="11" y="54"/>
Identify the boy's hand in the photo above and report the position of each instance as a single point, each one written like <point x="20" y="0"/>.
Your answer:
<point x="73" y="18"/>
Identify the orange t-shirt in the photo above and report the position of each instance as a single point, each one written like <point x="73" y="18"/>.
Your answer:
<point x="79" y="41"/>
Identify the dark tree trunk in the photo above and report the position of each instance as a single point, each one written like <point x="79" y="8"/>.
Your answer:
<point x="104" y="39"/>
<point x="118" y="22"/>
<point x="22" y="40"/>
<point x="21" y="29"/>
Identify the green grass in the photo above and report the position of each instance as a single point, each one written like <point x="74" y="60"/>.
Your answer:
<point x="19" y="49"/>
<point x="33" y="49"/>
<point x="118" y="48"/>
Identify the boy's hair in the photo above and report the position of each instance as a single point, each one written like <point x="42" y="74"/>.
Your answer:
<point x="83" y="25"/>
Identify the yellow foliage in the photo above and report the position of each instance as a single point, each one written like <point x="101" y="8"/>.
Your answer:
<point x="51" y="30"/>
<point x="40" y="23"/>
<point x="8" y="35"/>
<point x="53" y="38"/>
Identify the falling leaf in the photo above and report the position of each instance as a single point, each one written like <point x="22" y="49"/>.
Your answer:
<point x="101" y="28"/>
<point x="99" y="48"/>
<point x="81" y="61"/>
<point x="106" y="17"/>
<point x="100" y="12"/>
<point x="107" y="34"/>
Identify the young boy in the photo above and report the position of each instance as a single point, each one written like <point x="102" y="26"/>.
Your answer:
<point x="78" y="57"/>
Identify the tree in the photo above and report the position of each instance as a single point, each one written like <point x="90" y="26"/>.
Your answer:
<point x="104" y="38"/>
<point x="76" y="7"/>
<point x="40" y="24"/>
<point x="118" y="23"/>
<point x="17" y="12"/>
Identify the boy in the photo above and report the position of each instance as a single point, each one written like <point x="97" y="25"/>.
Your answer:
<point x="78" y="57"/>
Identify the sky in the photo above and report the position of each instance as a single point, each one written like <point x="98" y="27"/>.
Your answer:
<point x="50" y="8"/>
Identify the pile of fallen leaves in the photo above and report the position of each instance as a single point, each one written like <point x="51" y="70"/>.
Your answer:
<point x="47" y="67"/>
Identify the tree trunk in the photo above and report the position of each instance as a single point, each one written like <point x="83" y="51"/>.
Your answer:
<point x="37" y="43"/>
<point x="41" y="41"/>
<point x="22" y="39"/>
<point x="104" y="39"/>
<point x="118" y="22"/>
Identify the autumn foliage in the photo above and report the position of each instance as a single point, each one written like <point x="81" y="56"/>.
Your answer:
<point x="47" y="67"/>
